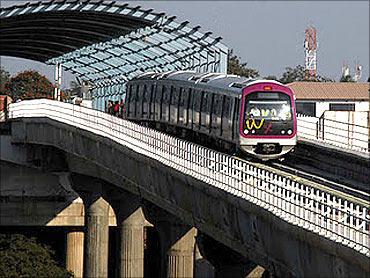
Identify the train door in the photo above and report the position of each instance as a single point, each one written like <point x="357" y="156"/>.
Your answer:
<point x="145" y="105"/>
<point x="158" y="102"/>
<point x="189" y="108"/>
<point x="216" y="112"/>
<point x="235" y="121"/>
<point x="226" y="118"/>
<point x="132" y="101"/>
<point x="165" y="103"/>
<point x="183" y="106"/>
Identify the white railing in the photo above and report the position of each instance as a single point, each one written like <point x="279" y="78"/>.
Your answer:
<point x="330" y="214"/>
<point x="337" y="133"/>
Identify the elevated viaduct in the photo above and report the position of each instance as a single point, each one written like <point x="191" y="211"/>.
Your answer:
<point x="289" y="228"/>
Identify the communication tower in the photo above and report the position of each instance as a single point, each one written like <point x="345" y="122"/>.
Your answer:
<point x="310" y="46"/>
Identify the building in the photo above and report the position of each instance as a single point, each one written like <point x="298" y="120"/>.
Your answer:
<point x="314" y="98"/>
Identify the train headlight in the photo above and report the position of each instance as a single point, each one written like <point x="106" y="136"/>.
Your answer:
<point x="246" y="131"/>
<point x="253" y="131"/>
<point x="283" y="132"/>
<point x="289" y="131"/>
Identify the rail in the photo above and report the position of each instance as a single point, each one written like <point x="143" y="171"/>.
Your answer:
<point x="336" y="216"/>
<point x="337" y="133"/>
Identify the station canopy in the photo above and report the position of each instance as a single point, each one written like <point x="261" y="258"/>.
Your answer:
<point x="107" y="43"/>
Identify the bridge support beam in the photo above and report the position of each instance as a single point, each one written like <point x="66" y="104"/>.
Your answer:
<point x="202" y="267"/>
<point x="74" y="252"/>
<point x="227" y="263"/>
<point x="96" y="225"/>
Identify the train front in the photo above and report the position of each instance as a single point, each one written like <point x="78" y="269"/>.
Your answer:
<point x="268" y="124"/>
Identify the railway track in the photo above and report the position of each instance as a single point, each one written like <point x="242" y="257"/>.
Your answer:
<point x="304" y="177"/>
<point x="321" y="180"/>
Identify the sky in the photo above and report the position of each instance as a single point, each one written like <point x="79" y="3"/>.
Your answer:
<point x="268" y="35"/>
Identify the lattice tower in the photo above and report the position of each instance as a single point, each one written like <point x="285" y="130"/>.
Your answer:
<point x="310" y="46"/>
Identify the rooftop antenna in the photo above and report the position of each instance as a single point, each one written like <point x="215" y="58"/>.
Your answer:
<point x="345" y="69"/>
<point x="358" y="72"/>
<point x="310" y="46"/>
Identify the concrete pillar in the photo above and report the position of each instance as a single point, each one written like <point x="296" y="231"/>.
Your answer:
<point x="97" y="236"/>
<point x="130" y="222"/>
<point x="180" y="256"/>
<point x="91" y="190"/>
<point x="132" y="245"/>
<point x="74" y="252"/>
<point x="177" y="242"/>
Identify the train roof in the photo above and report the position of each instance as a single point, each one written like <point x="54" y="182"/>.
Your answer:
<point x="230" y="82"/>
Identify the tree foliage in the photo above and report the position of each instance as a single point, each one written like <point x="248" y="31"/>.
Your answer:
<point x="293" y="74"/>
<point x="271" y="77"/>
<point x="28" y="85"/>
<point x="299" y="74"/>
<point x="235" y="66"/>
<point x="4" y="78"/>
<point x="24" y="257"/>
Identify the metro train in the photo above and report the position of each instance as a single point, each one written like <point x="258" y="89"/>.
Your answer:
<point x="225" y="112"/>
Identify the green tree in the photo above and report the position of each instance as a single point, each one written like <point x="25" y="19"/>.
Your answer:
<point x="293" y="74"/>
<point x="235" y="66"/>
<point x="271" y="77"/>
<point x="24" y="257"/>
<point x="299" y="74"/>
<point x="28" y="85"/>
<point x="4" y="78"/>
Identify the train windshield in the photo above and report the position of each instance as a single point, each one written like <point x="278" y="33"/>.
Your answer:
<point x="268" y="106"/>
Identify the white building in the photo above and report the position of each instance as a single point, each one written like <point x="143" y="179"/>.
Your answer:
<point x="337" y="113"/>
<point x="314" y="98"/>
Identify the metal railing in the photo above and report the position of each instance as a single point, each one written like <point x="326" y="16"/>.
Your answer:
<point x="341" y="134"/>
<point x="334" y="215"/>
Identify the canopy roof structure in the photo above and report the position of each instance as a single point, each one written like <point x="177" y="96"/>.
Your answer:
<point x="107" y="43"/>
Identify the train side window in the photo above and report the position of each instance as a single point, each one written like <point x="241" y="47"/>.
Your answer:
<point x="145" y="102"/>
<point x="235" y="121"/>
<point x="183" y="105"/>
<point x="174" y="104"/>
<point x="216" y="112"/>
<point x="158" y="102"/>
<point x="226" y="117"/>
<point x="165" y="103"/>
<point x="128" y="99"/>
<point x="209" y="111"/>
<point x="197" y="100"/>
<point x="189" y="108"/>
<point x="151" y="101"/>
<point x="139" y="102"/>
<point x="134" y="97"/>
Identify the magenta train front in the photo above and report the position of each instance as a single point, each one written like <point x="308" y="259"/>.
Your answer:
<point x="268" y="124"/>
